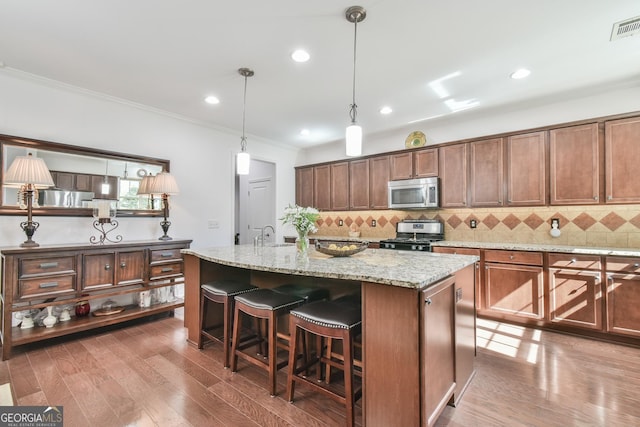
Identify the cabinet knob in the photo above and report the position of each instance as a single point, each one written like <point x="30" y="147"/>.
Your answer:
<point x="428" y="301"/>
<point x="596" y="197"/>
<point x="511" y="256"/>
<point x="609" y="198"/>
<point x="123" y="265"/>
<point x="107" y="267"/>
<point x="636" y="265"/>
<point x="573" y="260"/>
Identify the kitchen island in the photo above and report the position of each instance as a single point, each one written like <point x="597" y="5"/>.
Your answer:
<point x="418" y="317"/>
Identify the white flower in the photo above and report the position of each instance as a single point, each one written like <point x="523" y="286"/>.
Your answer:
<point x="303" y="219"/>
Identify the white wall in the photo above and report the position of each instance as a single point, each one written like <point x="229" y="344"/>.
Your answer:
<point x="473" y="124"/>
<point x="201" y="159"/>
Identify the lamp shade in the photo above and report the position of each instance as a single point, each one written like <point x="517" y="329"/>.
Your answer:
<point x="354" y="140"/>
<point x="164" y="183"/>
<point x="28" y="170"/>
<point x="145" y="185"/>
<point x="243" y="161"/>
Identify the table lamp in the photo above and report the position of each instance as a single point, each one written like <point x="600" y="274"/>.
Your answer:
<point x="165" y="184"/>
<point x="28" y="173"/>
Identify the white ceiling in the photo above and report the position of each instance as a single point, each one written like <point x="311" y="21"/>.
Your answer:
<point x="170" y="54"/>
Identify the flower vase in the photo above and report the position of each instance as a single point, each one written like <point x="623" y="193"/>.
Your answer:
<point x="50" y="320"/>
<point x="302" y="244"/>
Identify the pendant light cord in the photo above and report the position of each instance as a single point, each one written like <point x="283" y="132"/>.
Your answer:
<point x="243" y="140"/>
<point x="353" y="111"/>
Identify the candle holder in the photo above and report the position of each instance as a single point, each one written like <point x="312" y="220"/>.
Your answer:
<point x="104" y="211"/>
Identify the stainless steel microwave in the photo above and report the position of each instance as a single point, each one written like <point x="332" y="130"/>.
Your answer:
<point x="421" y="193"/>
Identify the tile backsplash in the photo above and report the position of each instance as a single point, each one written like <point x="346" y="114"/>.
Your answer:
<point x="598" y="226"/>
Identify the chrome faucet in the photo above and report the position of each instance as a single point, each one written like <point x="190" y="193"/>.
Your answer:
<point x="260" y="237"/>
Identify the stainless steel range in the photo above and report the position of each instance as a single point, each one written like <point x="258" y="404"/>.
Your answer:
<point x="415" y="235"/>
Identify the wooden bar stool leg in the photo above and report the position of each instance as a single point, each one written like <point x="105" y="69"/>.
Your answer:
<point x="347" y="343"/>
<point x="203" y="320"/>
<point x="293" y="358"/>
<point x="327" y="375"/>
<point x="236" y="339"/>
<point x="226" y="338"/>
<point x="273" y="352"/>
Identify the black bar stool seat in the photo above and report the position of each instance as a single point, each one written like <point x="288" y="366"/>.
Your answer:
<point x="308" y="293"/>
<point x="327" y="320"/>
<point x="262" y="304"/>
<point x="220" y="292"/>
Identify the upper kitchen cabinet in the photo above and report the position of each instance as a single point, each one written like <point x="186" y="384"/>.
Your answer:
<point x="486" y="172"/>
<point x="526" y="169"/>
<point x="378" y="182"/>
<point x="304" y="186"/>
<point x="359" y="184"/>
<point x="453" y="175"/>
<point x="574" y="156"/>
<point x="322" y="187"/>
<point x="622" y="154"/>
<point x="414" y="164"/>
<point x="340" y="186"/>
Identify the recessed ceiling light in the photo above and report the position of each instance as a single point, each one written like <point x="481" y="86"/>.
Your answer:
<point x="520" y="74"/>
<point x="300" y="55"/>
<point x="212" y="100"/>
<point x="305" y="132"/>
<point x="386" y="110"/>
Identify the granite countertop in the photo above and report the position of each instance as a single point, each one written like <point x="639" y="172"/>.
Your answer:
<point x="342" y="238"/>
<point x="407" y="269"/>
<point x="584" y="250"/>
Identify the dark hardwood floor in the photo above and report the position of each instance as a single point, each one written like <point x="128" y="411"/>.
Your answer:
<point x="147" y="375"/>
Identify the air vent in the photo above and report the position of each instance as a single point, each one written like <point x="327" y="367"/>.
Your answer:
<point x="629" y="27"/>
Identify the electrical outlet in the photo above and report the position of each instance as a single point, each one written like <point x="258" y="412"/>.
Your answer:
<point x="473" y="223"/>
<point x="373" y="223"/>
<point x="213" y="224"/>
<point x="555" y="223"/>
<point x="340" y="223"/>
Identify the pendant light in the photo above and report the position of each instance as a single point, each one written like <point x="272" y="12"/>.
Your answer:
<point x="353" y="134"/>
<point x="243" y="160"/>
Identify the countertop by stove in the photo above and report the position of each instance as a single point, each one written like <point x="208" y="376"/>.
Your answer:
<point x="585" y="250"/>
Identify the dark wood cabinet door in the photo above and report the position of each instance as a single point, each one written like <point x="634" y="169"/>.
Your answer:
<point x="514" y="291"/>
<point x="304" y="186"/>
<point x="623" y="300"/>
<point x="359" y="184"/>
<point x="575" y="298"/>
<point x="453" y="176"/>
<point x="425" y="163"/>
<point x="526" y="169"/>
<point x="340" y="186"/>
<point x="98" y="270"/>
<point x="486" y="172"/>
<point x="622" y="154"/>
<point x="83" y="182"/>
<point x="63" y="180"/>
<point x="322" y="187"/>
<point x="378" y="182"/>
<point x="574" y="165"/>
<point x="401" y="165"/>
<point x="438" y="348"/>
<point x="130" y="267"/>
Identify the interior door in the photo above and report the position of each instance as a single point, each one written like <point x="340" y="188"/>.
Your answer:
<point x="260" y="200"/>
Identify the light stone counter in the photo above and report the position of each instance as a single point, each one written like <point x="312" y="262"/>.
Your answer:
<point x="406" y="269"/>
<point x="541" y="248"/>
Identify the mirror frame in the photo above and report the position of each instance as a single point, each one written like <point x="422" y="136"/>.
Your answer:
<point x="73" y="149"/>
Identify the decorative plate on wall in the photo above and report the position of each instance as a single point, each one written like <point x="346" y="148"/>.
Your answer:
<point x="415" y="139"/>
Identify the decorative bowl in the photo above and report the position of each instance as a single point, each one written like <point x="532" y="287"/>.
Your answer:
<point x="340" y="247"/>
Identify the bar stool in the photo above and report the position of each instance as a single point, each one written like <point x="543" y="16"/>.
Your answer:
<point x="308" y="293"/>
<point x="349" y="301"/>
<point x="220" y="292"/>
<point x="262" y="304"/>
<point x="326" y="319"/>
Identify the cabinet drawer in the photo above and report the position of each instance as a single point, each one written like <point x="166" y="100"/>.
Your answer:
<point x="627" y="265"/>
<point x="456" y="251"/>
<point x="585" y="262"/>
<point x="31" y="267"/>
<point x="513" y="257"/>
<point x="45" y="286"/>
<point x="166" y="270"/>
<point x="165" y="255"/>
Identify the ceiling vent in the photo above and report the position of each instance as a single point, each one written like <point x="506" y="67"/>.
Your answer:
<point x="629" y="27"/>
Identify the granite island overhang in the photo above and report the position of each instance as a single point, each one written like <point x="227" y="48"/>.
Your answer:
<point x="407" y="299"/>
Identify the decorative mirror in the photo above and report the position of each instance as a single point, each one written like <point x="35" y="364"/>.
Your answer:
<point x="80" y="175"/>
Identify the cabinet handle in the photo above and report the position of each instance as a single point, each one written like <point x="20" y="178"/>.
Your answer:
<point x="48" y="265"/>
<point x="167" y="270"/>
<point x="123" y="265"/>
<point x="636" y="265"/>
<point x="428" y="301"/>
<point x="48" y="285"/>
<point x="596" y="197"/>
<point x="573" y="260"/>
<point x="107" y="267"/>
<point x="166" y="254"/>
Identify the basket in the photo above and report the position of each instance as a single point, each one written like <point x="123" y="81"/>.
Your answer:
<point x="340" y="247"/>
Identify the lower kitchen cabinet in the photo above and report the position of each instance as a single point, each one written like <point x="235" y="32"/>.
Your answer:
<point x="575" y="290"/>
<point x="623" y="295"/>
<point x="60" y="276"/>
<point x="513" y="284"/>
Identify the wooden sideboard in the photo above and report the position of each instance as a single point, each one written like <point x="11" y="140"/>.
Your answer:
<point x="63" y="275"/>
